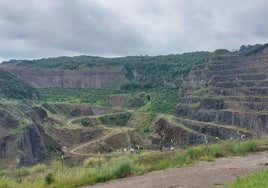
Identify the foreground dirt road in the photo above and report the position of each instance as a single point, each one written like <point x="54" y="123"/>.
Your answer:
<point x="200" y="175"/>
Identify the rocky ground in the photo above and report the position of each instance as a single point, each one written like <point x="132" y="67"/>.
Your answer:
<point x="203" y="174"/>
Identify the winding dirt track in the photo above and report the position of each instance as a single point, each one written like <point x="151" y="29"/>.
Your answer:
<point x="75" y="152"/>
<point x="201" y="175"/>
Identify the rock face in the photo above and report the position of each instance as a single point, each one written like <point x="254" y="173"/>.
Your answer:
<point x="230" y="91"/>
<point x="33" y="145"/>
<point x="28" y="146"/>
<point x="168" y="134"/>
<point x="28" y="142"/>
<point x="181" y="132"/>
<point x="7" y="120"/>
<point x="112" y="77"/>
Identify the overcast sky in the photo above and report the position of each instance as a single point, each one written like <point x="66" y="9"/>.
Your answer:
<point x="48" y="28"/>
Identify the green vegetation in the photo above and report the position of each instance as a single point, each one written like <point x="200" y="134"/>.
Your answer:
<point x="144" y="63"/>
<point x="120" y="119"/>
<point x="85" y="122"/>
<point x="151" y="90"/>
<point x="251" y="49"/>
<point x="12" y="87"/>
<point x="125" y="165"/>
<point x="161" y="101"/>
<point x="123" y="169"/>
<point x="49" y="178"/>
<point x="205" y="153"/>
<point x="94" y="97"/>
<point x="258" y="180"/>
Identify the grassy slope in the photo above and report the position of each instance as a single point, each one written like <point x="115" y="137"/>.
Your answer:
<point x="120" y="166"/>
<point x="257" y="180"/>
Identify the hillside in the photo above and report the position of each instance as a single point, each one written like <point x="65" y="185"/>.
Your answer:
<point x="91" y="104"/>
<point x="137" y="72"/>
<point x="12" y="87"/>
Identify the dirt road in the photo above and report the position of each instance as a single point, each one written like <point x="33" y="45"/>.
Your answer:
<point x="110" y="134"/>
<point x="201" y="175"/>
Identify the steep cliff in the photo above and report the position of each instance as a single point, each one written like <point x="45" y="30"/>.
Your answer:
<point x="21" y="133"/>
<point x="112" y="77"/>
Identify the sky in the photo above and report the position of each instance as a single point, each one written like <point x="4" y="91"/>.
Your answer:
<point x="31" y="29"/>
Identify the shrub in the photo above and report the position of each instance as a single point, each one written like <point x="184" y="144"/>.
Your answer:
<point x="104" y="177"/>
<point x="216" y="151"/>
<point x="85" y="122"/>
<point x="49" y="178"/>
<point x="241" y="148"/>
<point x="123" y="169"/>
<point x="250" y="146"/>
<point x="115" y="119"/>
<point x="195" y="152"/>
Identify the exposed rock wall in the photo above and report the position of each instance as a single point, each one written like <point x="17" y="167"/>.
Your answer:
<point x="28" y="146"/>
<point x="111" y="77"/>
<point x="182" y="132"/>
<point x="32" y="145"/>
<point x="231" y="90"/>
<point x="21" y="137"/>
<point x="167" y="134"/>
<point x="7" y="120"/>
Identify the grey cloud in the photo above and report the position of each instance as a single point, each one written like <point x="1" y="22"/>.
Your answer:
<point x="35" y="28"/>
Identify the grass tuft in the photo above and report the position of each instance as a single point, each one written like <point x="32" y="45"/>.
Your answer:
<point x="6" y="183"/>
<point x="257" y="180"/>
<point x="123" y="169"/>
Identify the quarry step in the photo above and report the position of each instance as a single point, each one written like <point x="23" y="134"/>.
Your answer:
<point x="230" y="90"/>
<point x="247" y="106"/>
<point x="247" y="70"/>
<point x="259" y="57"/>
<point x="242" y="104"/>
<point x="260" y="91"/>
<point x="255" y="99"/>
<point x="239" y="77"/>
<point x="216" y="131"/>
<point x="251" y="120"/>
<point x="230" y="65"/>
<point x="234" y="84"/>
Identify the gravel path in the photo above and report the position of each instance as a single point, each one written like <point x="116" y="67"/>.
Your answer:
<point x="110" y="134"/>
<point x="200" y="175"/>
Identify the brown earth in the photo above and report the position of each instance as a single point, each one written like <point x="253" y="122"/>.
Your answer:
<point x="203" y="174"/>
